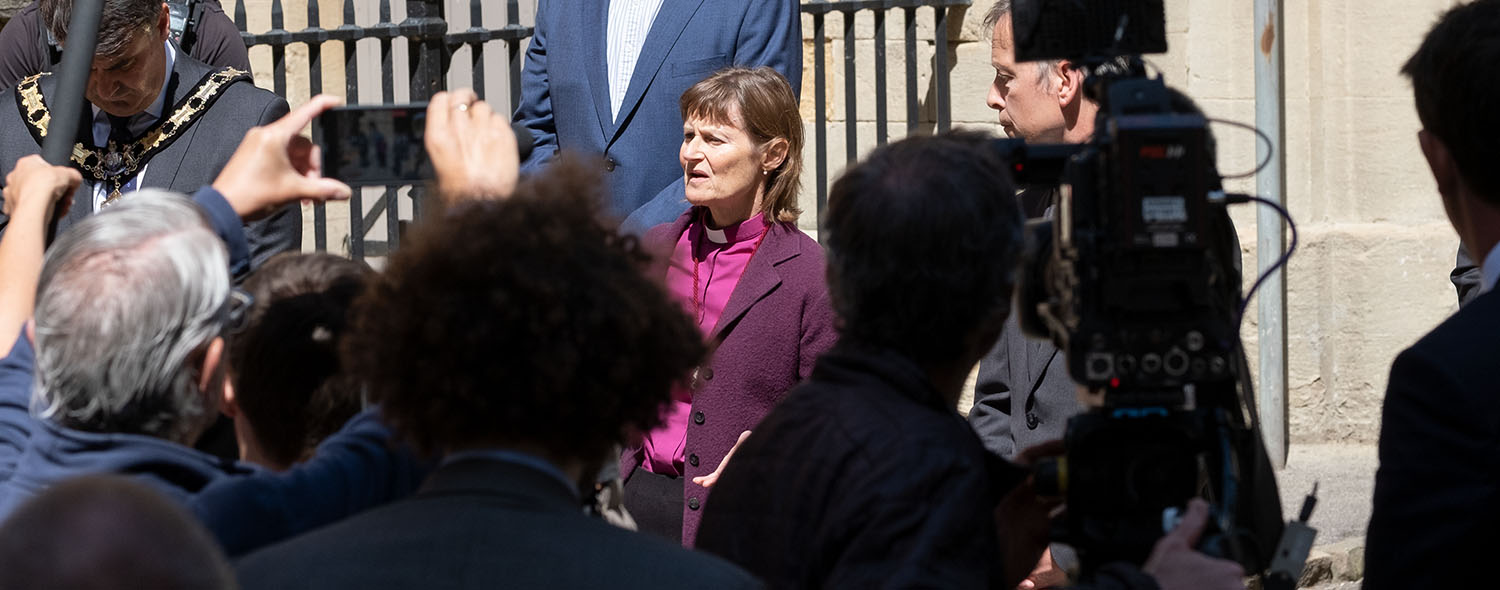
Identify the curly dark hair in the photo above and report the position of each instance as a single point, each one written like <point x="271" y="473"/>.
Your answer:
<point x="527" y="321"/>
<point x="924" y="239"/>
<point x="284" y="364"/>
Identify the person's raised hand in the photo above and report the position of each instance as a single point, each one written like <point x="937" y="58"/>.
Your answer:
<point x="1177" y="566"/>
<point x="472" y="148"/>
<point x="36" y="186"/>
<point x="276" y="165"/>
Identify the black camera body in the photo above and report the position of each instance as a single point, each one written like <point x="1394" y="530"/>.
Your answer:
<point x="1126" y="277"/>
<point x="1135" y="276"/>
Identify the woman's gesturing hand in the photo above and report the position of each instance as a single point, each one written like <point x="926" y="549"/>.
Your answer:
<point x="709" y="480"/>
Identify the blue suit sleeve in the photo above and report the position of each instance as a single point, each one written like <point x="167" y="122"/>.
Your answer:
<point x="228" y="227"/>
<point x="534" y="110"/>
<point x="16" y="423"/>
<point x="357" y="468"/>
<point x="665" y="207"/>
<point x="771" y="35"/>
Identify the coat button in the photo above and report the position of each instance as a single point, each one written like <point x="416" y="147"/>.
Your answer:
<point x="693" y="460"/>
<point x="707" y="373"/>
<point x="693" y="503"/>
<point x="697" y="417"/>
<point x="609" y="164"/>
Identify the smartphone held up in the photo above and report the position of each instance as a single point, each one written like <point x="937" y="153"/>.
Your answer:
<point x="374" y="145"/>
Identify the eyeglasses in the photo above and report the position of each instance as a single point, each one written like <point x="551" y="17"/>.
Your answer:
<point x="235" y="311"/>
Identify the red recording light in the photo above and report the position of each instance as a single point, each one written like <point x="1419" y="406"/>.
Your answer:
<point x="1114" y="383"/>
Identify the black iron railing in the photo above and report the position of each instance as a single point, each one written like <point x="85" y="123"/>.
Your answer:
<point x="431" y="46"/>
<point x="879" y="9"/>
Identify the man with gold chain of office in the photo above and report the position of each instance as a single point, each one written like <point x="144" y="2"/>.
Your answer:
<point x="157" y="117"/>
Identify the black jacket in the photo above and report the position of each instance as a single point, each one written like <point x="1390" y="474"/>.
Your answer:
<point x="862" y="478"/>
<point x="480" y="523"/>
<point x="865" y="477"/>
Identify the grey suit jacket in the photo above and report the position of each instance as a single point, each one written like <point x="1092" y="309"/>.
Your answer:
<point x="1024" y="395"/>
<point x="480" y="523"/>
<point x="193" y="160"/>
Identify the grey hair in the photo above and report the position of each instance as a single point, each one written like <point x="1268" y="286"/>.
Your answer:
<point x="999" y="10"/>
<point x="127" y="301"/>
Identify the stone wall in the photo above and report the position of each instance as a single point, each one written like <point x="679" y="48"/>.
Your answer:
<point x="1370" y="276"/>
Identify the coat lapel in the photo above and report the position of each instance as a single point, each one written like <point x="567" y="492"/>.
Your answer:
<point x="598" y="72"/>
<point x="671" y="20"/>
<point x="760" y="278"/>
<point x="162" y="170"/>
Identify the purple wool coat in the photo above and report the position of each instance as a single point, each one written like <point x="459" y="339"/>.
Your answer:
<point x="776" y="324"/>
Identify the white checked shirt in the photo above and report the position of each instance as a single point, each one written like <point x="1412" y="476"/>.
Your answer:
<point x="629" y="22"/>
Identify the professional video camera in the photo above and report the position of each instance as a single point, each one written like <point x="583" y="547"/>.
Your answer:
<point x="1135" y="277"/>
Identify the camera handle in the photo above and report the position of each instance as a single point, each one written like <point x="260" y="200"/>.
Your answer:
<point x="1291" y="552"/>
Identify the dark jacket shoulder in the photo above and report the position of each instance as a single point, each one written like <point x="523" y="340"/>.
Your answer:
<point x="483" y="524"/>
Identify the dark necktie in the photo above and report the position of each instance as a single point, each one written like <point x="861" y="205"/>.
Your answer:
<point x="119" y="129"/>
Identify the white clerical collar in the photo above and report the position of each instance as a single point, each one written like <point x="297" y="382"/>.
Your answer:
<point x="715" y="235"/>
<point x="1489" y="270"/>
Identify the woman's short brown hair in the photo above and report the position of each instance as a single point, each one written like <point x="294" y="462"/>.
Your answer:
<point x="768" y="107"/>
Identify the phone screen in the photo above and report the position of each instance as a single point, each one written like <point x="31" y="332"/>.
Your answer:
<point x="374" y="145"/>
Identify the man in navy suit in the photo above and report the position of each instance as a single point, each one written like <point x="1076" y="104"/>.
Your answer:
<point x="1437" y="492"/>
<point x="603" y="77"/>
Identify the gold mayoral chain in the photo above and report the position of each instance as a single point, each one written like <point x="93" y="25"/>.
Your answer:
<point x="117" y="163"/>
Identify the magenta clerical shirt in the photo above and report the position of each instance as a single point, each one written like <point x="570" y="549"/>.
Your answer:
<point x="721" y="259"/>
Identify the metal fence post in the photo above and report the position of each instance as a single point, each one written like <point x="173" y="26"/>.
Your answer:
<point x="1270" y="241"/>
<point x="427" y="55"/>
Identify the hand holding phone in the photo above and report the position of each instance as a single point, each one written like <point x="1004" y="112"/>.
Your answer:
<point x="474" y="150"/>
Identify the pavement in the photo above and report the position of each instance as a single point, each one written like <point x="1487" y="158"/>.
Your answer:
<point x="1345" y="475"/>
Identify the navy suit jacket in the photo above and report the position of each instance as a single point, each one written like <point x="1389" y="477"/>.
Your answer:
<point x="565" y="86"/>
<point x="1437" y="492"/>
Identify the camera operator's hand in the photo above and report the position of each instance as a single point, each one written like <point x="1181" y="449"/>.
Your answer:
<point x="1177" y="566"/>
<point x="276" y="165"/>
<point x="1024" y="520"/>
<point x="36" y="187"/>
<point x="472" y="148"/>
<point x="1045" y="575"/>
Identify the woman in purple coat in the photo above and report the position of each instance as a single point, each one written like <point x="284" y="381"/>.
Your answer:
<point x="753" y="282"/>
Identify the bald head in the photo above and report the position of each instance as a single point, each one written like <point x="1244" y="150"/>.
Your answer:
<point x="99" y="532"/>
